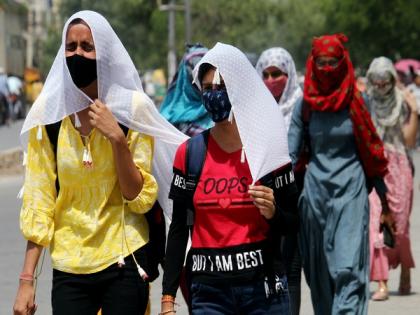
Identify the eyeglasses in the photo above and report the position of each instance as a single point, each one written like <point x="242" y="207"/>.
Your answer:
<point x="327" y="62"/>
<point x="273" y="74"/>
<point x="211" y="86"/>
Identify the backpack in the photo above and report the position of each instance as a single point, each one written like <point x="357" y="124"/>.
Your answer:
<point x="195" y="156"/>
<point x="155" y="248"/>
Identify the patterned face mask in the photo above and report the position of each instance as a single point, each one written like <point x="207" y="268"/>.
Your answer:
<point x="217" y="104"/>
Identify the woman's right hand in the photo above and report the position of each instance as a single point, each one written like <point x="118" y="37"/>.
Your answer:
<point x="25" y="299"/>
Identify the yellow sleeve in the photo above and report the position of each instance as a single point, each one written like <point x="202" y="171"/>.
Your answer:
<point x="141" y="147"/>
<point x="37" y="213"/>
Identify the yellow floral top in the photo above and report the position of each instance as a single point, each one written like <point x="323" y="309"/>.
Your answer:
<point x="83" y="224"/>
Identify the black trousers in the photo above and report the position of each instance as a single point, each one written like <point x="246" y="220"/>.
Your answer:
<point x="114" y="290"/>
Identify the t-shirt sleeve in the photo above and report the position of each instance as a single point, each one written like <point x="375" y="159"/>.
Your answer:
<point x="178" y="190"/>
<point x="282" y="181"/>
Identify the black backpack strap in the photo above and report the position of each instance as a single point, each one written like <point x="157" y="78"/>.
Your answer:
<point x="195" y="156"/>
<point x="52" y="131"/>
<point x="124" y="129"/>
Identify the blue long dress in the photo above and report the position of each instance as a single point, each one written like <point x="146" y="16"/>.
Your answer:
<point x="334" y="207"/>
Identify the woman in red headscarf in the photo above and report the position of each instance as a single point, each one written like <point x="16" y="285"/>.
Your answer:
<point x="346" y="157"/>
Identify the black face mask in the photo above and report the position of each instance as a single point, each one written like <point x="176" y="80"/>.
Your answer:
<point x="82" y="70"/>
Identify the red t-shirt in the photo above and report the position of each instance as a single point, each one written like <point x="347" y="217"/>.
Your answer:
<point x="231" y="240"/>
<point x="224" y="212"/>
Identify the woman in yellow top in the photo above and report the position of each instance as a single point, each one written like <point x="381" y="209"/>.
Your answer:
<point x="93" y="220"/>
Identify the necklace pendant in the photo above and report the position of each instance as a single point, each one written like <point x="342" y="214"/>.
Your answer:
<point x="87" y="158"/>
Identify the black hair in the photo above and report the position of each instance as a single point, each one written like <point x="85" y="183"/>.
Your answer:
<point x="78" y="21"/>
<point x="204" y="68"/>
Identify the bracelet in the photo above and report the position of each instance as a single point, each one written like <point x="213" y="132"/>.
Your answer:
<point x="167" y="298"/>
<point x="26" y="277"/>
<point x="167" y="312"/>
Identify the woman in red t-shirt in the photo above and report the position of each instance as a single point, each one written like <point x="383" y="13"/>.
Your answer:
<point x="233" y="265"/>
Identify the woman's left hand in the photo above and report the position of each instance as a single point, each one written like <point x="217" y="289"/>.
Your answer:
<point x="263" y="198"/>
<point x="102" y="119"/>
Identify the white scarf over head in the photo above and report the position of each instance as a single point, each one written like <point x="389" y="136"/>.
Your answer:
<point x="258" y="117"/>
<point x="280" y="58"/>
<point x="385" y="109"/>
<point x="119" y="87"/>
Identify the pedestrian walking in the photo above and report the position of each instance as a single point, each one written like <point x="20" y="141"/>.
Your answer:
<point x="345" y="155"/>
<point x="233" y="186"/>
<point x="5" y="113"/>
<point x="277" y="69"/>
<point x="182" y="105"/>
<point x="91" y="135"/>
<point x="394" y="114"/>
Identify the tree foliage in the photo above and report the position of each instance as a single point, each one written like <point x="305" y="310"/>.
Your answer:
<point x="377" y="27"/>
<point x="374" y="27"/>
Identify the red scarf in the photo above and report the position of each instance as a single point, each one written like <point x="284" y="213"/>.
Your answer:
<point x="332" y="89"/>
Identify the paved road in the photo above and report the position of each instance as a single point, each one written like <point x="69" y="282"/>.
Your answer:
<point x="9" y="135"/>
<point x="12" y="248"/>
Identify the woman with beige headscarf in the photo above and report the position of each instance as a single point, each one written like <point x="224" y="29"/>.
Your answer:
<point x="394" y="114"/>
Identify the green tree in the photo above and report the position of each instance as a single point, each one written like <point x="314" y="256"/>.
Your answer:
<point x="376" y="27"/>
<point x="251" y="25"/>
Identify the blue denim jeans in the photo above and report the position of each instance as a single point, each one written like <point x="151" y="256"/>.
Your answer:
<point x="247" y="299"/>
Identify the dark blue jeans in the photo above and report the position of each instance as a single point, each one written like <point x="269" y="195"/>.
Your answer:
<point x="293" y="260"/>
<point x="248" y="299"/>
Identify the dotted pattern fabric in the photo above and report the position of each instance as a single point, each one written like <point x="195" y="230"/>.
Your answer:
<point x="259" y="118"/>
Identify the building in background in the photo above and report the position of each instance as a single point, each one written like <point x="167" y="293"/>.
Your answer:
<point x="42" y="15"/>
<point x="24" y="26"/>
<point x="13" y="17"/>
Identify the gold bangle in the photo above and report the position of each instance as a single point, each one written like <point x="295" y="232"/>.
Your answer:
<point x="167" y="298"/>
<point x="167" y="312"/>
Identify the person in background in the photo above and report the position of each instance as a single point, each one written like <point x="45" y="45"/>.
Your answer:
<point x="4" y="97"/>
<point x="17" y="99"/>
<point x="394" y="114"/>
<point x="345" y="156"/>
<point x="361" y="83"/>
<point x="277" y="69"/>
<point x="183" y="106"/>
<point x="415" y="88"/>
